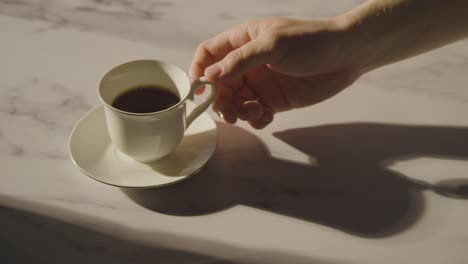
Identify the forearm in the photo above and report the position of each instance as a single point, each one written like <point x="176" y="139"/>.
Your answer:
<point x="385" y="31"/>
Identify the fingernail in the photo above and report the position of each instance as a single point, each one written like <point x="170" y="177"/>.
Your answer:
<point x="220" y="114"/>
<point x="229" y="117"/>
<point x="213" y="72"/>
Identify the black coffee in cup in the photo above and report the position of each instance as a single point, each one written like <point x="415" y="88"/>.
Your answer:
<point x="145" y="99"/>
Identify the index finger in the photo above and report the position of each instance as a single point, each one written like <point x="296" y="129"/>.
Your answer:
<point x="216" y="48"/>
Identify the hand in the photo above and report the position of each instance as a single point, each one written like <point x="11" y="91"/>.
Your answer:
<point x="268" y="66"/>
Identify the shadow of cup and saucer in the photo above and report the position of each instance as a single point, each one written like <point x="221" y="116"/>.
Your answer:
<point x="350" y="189"/>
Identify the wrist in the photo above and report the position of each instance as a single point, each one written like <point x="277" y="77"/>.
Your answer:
<point x="350" y="45"/>
<point x="366" y="42"/>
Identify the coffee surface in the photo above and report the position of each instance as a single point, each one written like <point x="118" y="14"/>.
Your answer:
<point x="145" y="99"/>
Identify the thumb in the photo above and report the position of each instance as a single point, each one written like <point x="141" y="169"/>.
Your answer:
<point x="239" y="61"/>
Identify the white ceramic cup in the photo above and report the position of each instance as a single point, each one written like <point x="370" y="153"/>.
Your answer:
<point x="147" y="137"/>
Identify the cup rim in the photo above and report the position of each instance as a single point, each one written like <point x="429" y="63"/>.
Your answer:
<point x="182" y="100"/>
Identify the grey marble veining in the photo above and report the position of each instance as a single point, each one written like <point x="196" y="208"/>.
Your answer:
<point x="167" y="23"/>
<point x="184" y="24"/>
<point x="50" y="109"/>
<point x="375" y="175"/>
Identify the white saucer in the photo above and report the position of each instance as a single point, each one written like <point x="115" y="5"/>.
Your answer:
<point x="91" y="150"/>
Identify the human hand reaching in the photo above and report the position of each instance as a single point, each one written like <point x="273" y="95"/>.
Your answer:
<point x="267" y="66"/>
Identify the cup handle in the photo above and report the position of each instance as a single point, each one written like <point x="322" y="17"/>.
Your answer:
<point x="198" y="110"/>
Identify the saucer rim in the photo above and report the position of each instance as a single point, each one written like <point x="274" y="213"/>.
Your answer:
<point x="134" y="187"/>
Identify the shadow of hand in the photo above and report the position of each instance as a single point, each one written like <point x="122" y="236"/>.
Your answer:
<point x="349" y="189"/>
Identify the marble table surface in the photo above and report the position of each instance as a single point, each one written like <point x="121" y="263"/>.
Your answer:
<point x="378" y="174"/>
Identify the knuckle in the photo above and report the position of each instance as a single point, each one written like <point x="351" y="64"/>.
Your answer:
<point x="201" y="47"/>
<point x="235" y="58"/>
<point x="244" y="27"/>
<point x="272" y="44"/>
<point x="277" y="40"/>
